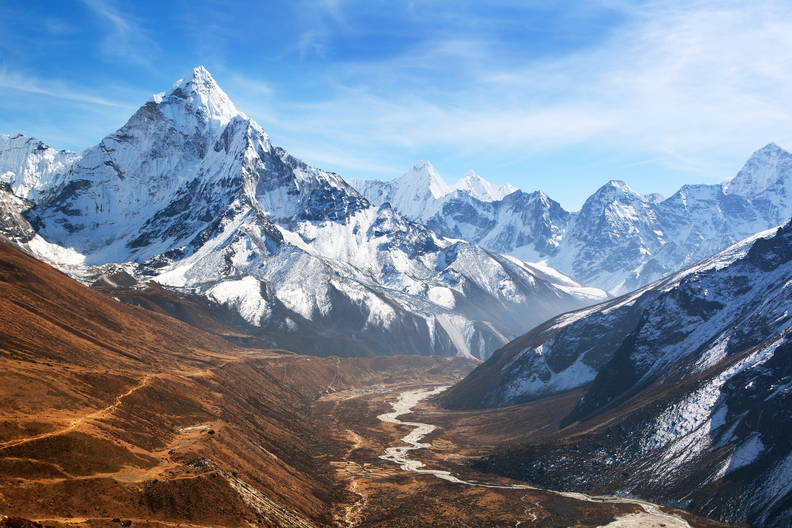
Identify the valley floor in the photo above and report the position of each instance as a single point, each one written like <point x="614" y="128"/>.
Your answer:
<point x="433" y="485"/>
<point x="262" y="438"/>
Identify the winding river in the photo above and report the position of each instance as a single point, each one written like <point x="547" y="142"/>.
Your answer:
<point x="651" y="516"/>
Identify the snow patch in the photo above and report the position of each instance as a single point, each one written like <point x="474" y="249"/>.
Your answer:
<point x="441" y="296"/>
<point x="746" y="453"/>
<point x="245" y="296"/>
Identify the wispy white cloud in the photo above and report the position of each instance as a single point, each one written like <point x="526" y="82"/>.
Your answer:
<point x="57" y="27"/>
<point x="57" y="89"/>
<point x="125" y="37"/>
<point x="312" y="42"/>
<point x="318" y="20"/>
<point x="675" y="81"/>
<point x="682" y="84"/>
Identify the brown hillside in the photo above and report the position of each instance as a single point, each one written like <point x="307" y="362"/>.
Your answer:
<point x="115" y="416"/>
<point x="112" y="411"/>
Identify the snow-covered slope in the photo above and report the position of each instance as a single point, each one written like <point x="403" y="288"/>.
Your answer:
<point x="765" y="171"/>
<point x="619" y="240"/>
<point x="13" y="224"/>
<point x="528" y="226"/>
<point x="689" y="388"/>
<point x="568" y="351"/>
<point x="615" y="231"/>
<point x="192" y="194"/>
<point x="16" y="229"/>
<point x="420" y="189"/>
<point x="30" y="167"/>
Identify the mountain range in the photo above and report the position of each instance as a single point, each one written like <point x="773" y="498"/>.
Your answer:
<point x="192" y="195"/>
<point x="620" y="240"/>
<point x="686" y="387"/>
<point x="656" y="361"/>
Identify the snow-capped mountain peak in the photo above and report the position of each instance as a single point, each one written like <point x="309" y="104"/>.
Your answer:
<point x="417" y="191"/>
<point x="763" y="169"/>
<point x="424" y="177"/>
<point x="616" y="186"/>
<point x="481" y="189"/>
<point x="421" y="192"/>
<point x="143" y="180"/>
<point x="620" y="239"/>
<point x="198" y="93"/>
<point x="615" y="229"/>
<point x="618" y="198"/>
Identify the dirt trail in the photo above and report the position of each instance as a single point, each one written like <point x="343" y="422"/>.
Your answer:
<point x="77" y="422"/>
<point x="652" y="515"/>
<point x="144" y="381"/>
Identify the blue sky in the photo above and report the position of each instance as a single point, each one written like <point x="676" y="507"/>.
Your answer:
<point x="558" y="96"/>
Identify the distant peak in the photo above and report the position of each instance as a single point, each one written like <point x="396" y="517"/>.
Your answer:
<point x="423" y="175"/>
<point x="769" y="151"/>
<point x="482" y="189"/>
<point x="540" y="195"/>
<point x="202" y="74"/>
<point x="763" y="169"/>
<point x="423" y="165"/>
<point x="612" y="190"/>
<point x="199" y="80"/>
<point x="472" y="175"/>
<point x="619" y="184"/>
<point x="771" y="147"/>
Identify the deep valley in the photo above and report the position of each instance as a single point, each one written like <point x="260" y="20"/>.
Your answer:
<point x="199" y="329"/>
